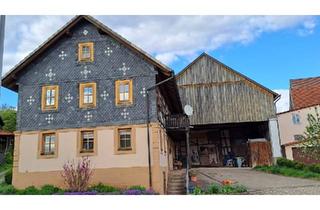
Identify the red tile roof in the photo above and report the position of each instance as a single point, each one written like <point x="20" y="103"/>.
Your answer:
<point x="304" y="92"/>
<point x="5" y="133"/>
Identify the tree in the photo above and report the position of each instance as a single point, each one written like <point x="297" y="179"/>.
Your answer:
<point x="311" y="139"/>
<point x="9" y="117"/>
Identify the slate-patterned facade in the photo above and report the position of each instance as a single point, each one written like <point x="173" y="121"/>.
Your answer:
<point x="60" y="66"/>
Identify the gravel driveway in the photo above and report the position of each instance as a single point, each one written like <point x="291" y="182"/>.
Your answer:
<point x="260" y="183"/>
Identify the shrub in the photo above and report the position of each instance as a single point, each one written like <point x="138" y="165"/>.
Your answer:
<point x="291" y="164"/>
<point x="137" y="187"/>
<point x="50" y="190"/>
<point x="8" y="177"/>
<point x="77" y="175"/>
<point x="213" y="189"/>
<point x="32" y="190"/>
<point x="101" y="188"/>
<point x="314" y="168"/>
<point x="7" y="189"/>
<point x="8" y="157"/>
<point x="197" y="191"/>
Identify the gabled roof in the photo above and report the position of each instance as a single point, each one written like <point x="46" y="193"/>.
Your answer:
<point x="204" y="54"/>
<point x="304" y="92"/>
<point x="9" y="78"/>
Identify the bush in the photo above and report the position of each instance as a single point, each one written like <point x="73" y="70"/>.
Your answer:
<point x="8" y="157"/>
<point x="314" y="168"/>
<point x="32" y="190"/>
<point x="137" y="187"/>
<point x="291" y="164"/>
<point x="8" y="177"/>
<point x="7" y="189"/>
<point x="213" y="189"/>
<point x="198" y="191"/>
<point x="101" y="188"/>
<point x="50" y="190"/>
<point x="77" y="175"/>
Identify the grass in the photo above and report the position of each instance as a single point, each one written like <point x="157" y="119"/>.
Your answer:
<point x="288" y="171"/>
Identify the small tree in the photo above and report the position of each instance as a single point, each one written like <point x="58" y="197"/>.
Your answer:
<point x="77" y="175"/>
<point x="8" y="116"/>
<point x="311" y="139"/>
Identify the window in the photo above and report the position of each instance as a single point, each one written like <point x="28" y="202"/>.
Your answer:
<point x="50" y="97"/>
<point x="298" y="137"/>
<point x="48" y="144"/>
<point x="296" y="119"/>
<point x="87" y="95"/>
<point x="87" y="142"/>
<point x="123" y="92"/>
<point x="125" y="139"/>
<point x="85" y="52"/>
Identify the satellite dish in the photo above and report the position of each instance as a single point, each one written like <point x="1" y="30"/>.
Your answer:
<point x="188" y="110"/>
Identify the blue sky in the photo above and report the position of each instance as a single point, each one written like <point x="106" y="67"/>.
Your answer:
<point x="268" y="49"/>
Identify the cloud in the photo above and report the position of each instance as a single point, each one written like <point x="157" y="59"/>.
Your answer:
<point x="168" y="38"/>
<point x="282" y="105"/>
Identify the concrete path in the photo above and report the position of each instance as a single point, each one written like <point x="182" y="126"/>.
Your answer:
<point x="260" y="183"/>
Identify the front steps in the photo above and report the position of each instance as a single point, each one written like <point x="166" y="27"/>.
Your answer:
<point x="177" y="182"/>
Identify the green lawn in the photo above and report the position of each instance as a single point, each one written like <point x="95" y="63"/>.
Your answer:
<point x="288" y="171"/>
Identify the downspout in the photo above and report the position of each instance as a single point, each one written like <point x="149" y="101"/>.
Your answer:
<point x="2" y="24"/>
<point x="148" y="122"/>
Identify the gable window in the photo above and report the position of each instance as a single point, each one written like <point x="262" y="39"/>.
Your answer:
<point x="296" y="119"/>
<point x="87" y="95"/>
<point x="125" y="139"/>
<point x="48" y="144"/>
<point x="123" y="92"/>
<point x="85" y="52"/>
<point x="50" y="97"/>
<point x="87" y="142"/>
<point x="298" y="137"/>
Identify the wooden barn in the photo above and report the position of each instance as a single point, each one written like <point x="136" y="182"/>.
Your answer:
<point x="234" y="118"/>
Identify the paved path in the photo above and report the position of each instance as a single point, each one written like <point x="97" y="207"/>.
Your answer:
<point x="260" y="183"/>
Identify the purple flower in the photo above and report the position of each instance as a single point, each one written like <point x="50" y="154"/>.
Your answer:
<point x="81" y="193"/>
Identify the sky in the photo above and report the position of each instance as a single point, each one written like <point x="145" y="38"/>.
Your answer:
<point x="268" y="49"/>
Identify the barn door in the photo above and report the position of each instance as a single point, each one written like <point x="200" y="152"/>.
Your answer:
<point x="260" y="152"/>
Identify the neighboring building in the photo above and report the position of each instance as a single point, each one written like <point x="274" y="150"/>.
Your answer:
<point x="292" y="125"/>
<point x="83" y="93"/>
<point x="304" y="100"/>
<point x="304" y="92"/>
<point x="232" y="115"/>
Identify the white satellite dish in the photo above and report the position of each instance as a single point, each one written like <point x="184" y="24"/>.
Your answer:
<point x="188" y="110"/>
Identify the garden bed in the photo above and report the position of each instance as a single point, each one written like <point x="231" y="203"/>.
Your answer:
<point x="100" y="189"/>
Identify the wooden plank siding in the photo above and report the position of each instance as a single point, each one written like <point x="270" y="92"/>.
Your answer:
<point x="220" y="95"/>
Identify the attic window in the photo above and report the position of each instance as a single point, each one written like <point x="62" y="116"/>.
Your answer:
<point x="85" y="52"/>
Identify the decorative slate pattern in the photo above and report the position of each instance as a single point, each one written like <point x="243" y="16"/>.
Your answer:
<point x="59" y="66"/>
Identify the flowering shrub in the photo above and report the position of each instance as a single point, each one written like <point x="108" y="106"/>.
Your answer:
<point x="77" y="175"/>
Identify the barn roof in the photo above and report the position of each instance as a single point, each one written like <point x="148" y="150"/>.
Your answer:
<point x="304" y="92"/>
<point x="9" y="78"/>
<point x="204" y="54"/>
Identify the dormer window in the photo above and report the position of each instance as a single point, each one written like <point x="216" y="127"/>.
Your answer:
<point x="85" y="52"/>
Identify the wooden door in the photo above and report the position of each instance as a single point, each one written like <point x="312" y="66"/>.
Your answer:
<point x="260" y="152"/>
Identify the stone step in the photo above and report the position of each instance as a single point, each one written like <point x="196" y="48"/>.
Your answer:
<point x="176" y="192"/>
